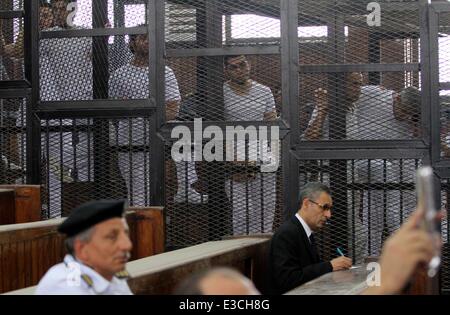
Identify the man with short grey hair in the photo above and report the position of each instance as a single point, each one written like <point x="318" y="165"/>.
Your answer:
<point x="293" y="256"/>
<point x="98" y="248"/>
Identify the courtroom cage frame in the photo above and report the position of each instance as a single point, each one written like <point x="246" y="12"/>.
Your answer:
<point x="202" y="51"/>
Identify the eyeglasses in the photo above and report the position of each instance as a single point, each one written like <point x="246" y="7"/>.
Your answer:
<point x="325" y="207"/>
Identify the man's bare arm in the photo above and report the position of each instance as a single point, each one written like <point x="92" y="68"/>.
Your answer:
<point x="172" y="109"/>
<point x="315" y="128"/>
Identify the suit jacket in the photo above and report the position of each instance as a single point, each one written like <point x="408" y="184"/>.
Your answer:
<point x="292" y="260"/>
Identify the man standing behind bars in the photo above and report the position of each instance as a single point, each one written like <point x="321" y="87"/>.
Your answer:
<point x="66" y="75"/>
<point x="253" y="195"/>
<point x="385" y="114"/>
<point x="318" y="129"/>
<point x="131" y="81"/>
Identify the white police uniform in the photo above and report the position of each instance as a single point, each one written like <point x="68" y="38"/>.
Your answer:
<point x="74" y="278"/>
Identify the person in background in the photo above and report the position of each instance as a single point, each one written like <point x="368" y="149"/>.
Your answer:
<point x="216" y="281"/>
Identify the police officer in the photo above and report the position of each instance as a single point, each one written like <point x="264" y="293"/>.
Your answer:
<point x="98" y="249"/>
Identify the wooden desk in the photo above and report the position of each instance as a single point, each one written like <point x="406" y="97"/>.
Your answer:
<point x="348" y="282"/>
<point x="353" y="282"/>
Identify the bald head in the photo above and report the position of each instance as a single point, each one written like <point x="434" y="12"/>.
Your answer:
<point x="219" y="281"/>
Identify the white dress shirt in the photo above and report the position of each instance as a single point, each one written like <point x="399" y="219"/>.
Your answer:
<point x="305" y="226"/>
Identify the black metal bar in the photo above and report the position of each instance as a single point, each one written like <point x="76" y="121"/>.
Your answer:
<point x="156" y="31"/>
<point x="95" y="113"/>
<point x="225" y="51"/>
<point x="361" y="144"/>
<point x="95" y="109"/>
<point x="99" y="104"/>
<point x="31" y="60"/>
<point x="374" y="58"/>
<point x="290" y="109"/>
<point x="444" y="86"/>
<point x="340" y="154"/>
<point x="15" y="93"/>
<point x="388" y="67"/>
<point x="442" y="172"/>
<point x="223" y="124"/>
<point x="11" y="14"/>
<point x="210" y="93"/>
<point x="102" y="154"/>
<point x="433" y="109"/>
<point x="94" y="32"/>
<point x="14" y="84"/>
<point x="440" y="7"/>
<point x="426" y="70"/>
<point x="337" y="124"/>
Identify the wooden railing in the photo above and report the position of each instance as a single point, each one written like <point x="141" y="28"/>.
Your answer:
<point x="28" y="250"/>
<point x="20" y="204"/>
<point x="160" y="274"/>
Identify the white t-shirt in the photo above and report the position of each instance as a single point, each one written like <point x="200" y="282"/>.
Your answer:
<point x="375" y="120"/>
<point x="70" y="65"/>
<point x="131" y="82"/>
<point x="250" y="107"/>
<point x="374" y="117"/>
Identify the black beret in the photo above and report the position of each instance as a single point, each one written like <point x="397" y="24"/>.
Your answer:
<point x="91" y="213"/>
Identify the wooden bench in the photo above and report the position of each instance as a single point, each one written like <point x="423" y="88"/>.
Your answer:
<point x="354" y="282"/>
<point x="28" y="250"/>
<point x="160" y="274"/>
<point x="25" y="205"/>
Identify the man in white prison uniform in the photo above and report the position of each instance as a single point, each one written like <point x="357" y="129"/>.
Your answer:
<point x="318" y="129"/>
<point x="131" y="82"/>
<point x="381" y="115"/>
<point x="252" y="197"/>
<point x="66" y="75"/>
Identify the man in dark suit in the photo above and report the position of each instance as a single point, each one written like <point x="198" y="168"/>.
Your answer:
<point x="293" y="257"/>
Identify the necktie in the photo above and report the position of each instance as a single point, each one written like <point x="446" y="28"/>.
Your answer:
<point x="314" y="248"/>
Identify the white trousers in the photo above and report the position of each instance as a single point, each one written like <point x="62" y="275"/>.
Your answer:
<point x="253" y="203"/>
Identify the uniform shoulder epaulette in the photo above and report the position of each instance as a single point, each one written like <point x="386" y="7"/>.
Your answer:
<point x="122" y="275"/>
<point x="88" y="280"/>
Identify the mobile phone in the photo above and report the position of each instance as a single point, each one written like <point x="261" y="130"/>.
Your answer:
<point x="426" y="202"/>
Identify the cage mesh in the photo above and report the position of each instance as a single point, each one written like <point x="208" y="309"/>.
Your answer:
<point x="92" y="158"/>
<point x="11" y="48"/>
<point x="444" y="80"/>
<point x="371" y="199"/>
<point x="87" y="159"/>
<point x="12" y="141"/>
<point x="374" y="112"/>
<point x="210" y="200"/>
<point x="444" y="102"/>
